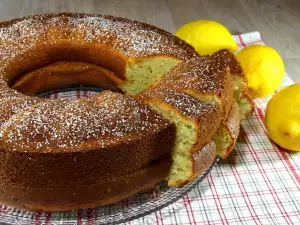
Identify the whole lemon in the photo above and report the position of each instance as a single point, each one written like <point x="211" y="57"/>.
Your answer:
<point x="282" y="118"/>
<point x="263" y="68"/>
<point x="206" y="36"/>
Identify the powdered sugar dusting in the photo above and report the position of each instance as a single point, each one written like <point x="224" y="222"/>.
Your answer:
<point x="81" y="124"/>
<point x="204" y="74"/>
<point x="188" y="105"/>
<point x="183" y="103"/>
<point x="131" y="38"/>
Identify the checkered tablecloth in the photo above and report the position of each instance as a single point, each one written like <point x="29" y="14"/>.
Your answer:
<point x="259" y="183"/>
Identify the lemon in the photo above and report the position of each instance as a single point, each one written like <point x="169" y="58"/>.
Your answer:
<point x="263" y="68"/>
<point x="283" y="118"/>
<point x="206" y="36"/>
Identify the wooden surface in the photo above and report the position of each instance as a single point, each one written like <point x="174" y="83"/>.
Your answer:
<point x="277" y="20"/>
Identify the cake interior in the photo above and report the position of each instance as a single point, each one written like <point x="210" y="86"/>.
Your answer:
<point x="143" y="73"/>
<point x="222" y="139"/>
<point x="239" y="96"/>
<point x="186" y="134"/>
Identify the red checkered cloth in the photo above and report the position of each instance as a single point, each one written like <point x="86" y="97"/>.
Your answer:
<point x="258" y="183"/>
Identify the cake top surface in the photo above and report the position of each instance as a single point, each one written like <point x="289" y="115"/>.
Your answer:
<point x="226" y="58"/>
<point x="205" y="74"/>
<point x="132" y="38"/>
<point x="183" y="103"/>
<point x="105" y="119"/>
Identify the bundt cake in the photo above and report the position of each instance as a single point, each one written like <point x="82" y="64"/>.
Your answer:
<point x="165" y="115"/>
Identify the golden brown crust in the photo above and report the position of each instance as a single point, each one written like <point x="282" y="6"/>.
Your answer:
<point x="232" y="125"/>
<point x="203" y="159"/>
<point x="85" y="196"/>
<point x="11" y="106"/>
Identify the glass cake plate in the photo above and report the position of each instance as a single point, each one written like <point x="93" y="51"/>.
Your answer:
<point x="134" y="207"/>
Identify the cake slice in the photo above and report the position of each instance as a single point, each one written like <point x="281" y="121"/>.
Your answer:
<point x="227" y="134"/>
<point x="213" y="79"/>
<point x="241" y="92"/>
<point x="204" y="79"/>
<point x="196" y="122"/>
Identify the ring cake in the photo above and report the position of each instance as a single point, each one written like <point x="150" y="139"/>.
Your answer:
<point x="165" y="115"/>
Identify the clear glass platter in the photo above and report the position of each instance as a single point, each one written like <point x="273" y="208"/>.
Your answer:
<point x="134" y="207"/>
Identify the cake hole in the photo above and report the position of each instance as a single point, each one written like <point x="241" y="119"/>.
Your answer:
<point x="72" y="92"/>
<point x="65" y="79"/>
